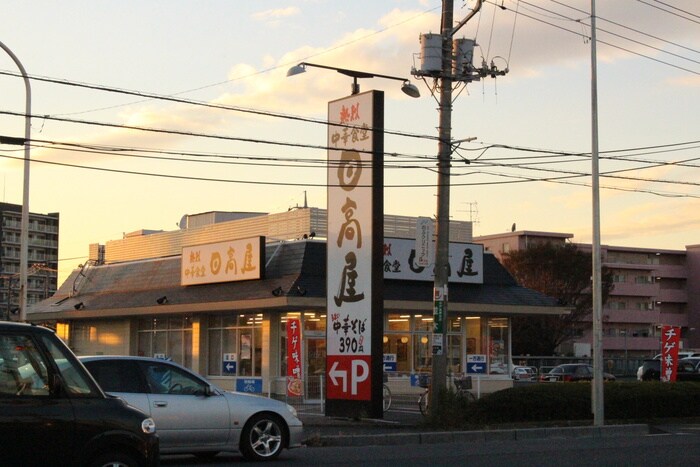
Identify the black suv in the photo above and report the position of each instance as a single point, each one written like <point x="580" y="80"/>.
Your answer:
<point x="53" y="413"/>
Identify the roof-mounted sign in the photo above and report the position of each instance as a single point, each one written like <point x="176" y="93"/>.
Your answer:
<point x="401" y="262"/>
<point x="234" y="260"/>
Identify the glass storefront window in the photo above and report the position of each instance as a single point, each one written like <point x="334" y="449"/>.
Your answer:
<point x="166" y="337"/>
<point x="423" y="323"/>
<point x="397" y="344"/>
<point x="498" y="346"/>
<point x="454" y="353"/>
<point x="235" y="345"/>
<point x="398" y="322"/>
<point x="422" y="353"/>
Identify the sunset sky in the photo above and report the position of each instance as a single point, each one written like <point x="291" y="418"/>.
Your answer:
<point x="529" y="165"/>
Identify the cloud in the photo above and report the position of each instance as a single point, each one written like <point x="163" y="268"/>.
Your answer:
<point x="685" y="81"/>
<point x="276" y="14"/>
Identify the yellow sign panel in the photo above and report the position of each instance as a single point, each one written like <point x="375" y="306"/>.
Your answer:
<point x="235" y="260"/>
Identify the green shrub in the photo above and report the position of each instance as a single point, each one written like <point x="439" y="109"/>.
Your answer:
<point x="556" y="403"/>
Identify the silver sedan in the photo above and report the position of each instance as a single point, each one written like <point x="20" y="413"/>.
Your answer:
<point x="194" y="416"/>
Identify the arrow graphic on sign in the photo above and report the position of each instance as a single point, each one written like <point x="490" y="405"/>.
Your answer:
<point x="476" y="368"/>
<point x="334" y="373"/>
<point x="229" y="366"/>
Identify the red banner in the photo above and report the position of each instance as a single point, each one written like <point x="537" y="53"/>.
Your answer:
<point x="670" y="340"/>
<point x="294" y="378"/>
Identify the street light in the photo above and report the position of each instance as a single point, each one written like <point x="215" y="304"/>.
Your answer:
<point x="24" y="226"/>
<point x="408" y="88"/>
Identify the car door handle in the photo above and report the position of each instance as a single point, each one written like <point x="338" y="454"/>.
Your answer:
<point x="160" y="404"/>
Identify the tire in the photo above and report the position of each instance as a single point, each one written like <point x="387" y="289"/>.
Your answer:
<point x="386" y="398"/>
<point x="469" y="396"/>
<point x="263" y="437"/>
<point x="114" y="459"/>
<point x="423" y="403"/>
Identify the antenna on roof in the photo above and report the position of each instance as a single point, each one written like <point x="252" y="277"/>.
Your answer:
<point x="305" y="205"/>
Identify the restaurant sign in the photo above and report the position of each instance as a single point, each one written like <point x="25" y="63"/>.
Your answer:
<point x="234" y="260"/>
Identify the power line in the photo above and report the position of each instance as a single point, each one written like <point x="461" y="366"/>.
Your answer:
<point x="671" y="12"/>
<point x="178" y="100"/>
<point x="601" y="41"/>
<point x="266" y="70"/>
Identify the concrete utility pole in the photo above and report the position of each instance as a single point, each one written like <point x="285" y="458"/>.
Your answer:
<point x="443" y="209"/>
<point x="455" y="66"/>
<point x="597" y="403"/>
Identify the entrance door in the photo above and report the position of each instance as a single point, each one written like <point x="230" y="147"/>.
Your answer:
<point x="315" y="367"/>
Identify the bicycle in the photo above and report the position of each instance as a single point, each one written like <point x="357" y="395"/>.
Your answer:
<point x="386" y="392"/>
<point x="386" y="398"/>
<point x="463" y="386"/>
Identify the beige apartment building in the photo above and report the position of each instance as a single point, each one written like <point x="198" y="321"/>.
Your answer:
<point x="652" y="287"/>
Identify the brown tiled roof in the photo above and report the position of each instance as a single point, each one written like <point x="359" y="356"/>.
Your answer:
<point x="295" y="272"/>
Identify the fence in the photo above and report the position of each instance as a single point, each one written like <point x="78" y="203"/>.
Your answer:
<point x="405" y="389"/>
<point x="622" y="367"/>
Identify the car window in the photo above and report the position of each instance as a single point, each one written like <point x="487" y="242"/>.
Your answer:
<point x="23" y="371"/>
<point x="75" y="381"/>
<point x="167" y="379"/>
<point x="116" y="375"/>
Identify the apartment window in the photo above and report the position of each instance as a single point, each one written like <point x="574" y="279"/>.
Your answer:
<point x="643" y="280"/>
<point x="617" y="305"/>
<point x="619" y="278"/>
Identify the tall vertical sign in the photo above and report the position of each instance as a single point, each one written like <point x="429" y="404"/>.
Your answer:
<point x="294" y="376"/>
<point x="670" y="340"/>
<point x="354" y="263"/>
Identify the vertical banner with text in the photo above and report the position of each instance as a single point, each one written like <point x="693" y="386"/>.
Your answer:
<point x="354" y="263"/>
<point x="670" y="340"/>
<point x="294" y="376"/>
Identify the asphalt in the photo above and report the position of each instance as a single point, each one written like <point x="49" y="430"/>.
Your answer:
<point x="407" y="428"/>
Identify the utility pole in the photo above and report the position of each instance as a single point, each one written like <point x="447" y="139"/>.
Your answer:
<point x="442" y="264"/>
<point x="597" y="403"/>
<point x="455" y="66"/>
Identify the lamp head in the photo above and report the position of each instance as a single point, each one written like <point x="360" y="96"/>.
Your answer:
<point x="410" y="89"/>
<point x="296" y="69"/>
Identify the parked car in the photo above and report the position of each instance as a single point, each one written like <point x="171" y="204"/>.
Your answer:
<point x="193" y="415"/>
<point x="688" y="369"/>
<point x="52" y="412"/>
<point x="642" y="369"/>
<point x="573" y="372"/>
<point x="523" y="373"/>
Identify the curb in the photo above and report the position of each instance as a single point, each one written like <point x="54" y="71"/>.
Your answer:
<point x="606" y="431"/>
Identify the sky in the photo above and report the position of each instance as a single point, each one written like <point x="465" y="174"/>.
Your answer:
<point x="145" y="64"/>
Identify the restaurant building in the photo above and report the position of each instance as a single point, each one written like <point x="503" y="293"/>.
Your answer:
<point x="217" y="294"/>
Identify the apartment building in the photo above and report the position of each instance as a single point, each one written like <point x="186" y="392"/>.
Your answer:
<point x="43" y="257"/>
<point x="652" y="287"/>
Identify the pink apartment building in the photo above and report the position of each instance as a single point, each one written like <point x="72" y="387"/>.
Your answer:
<point x="652" y="287"/>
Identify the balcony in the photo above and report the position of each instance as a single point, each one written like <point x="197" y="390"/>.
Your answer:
<point x="673" y="296"/>
<point x="631" y="316"/>
<point x="671" y="271"/>
<point x="635" y="290"/>
<point x="632" y="344"/>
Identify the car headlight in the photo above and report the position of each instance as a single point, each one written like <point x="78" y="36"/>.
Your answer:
<point x="292" y="410"/>
<point x="148" y="426"/>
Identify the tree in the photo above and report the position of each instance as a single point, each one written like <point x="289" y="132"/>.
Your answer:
<point x="561" y="271"/>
